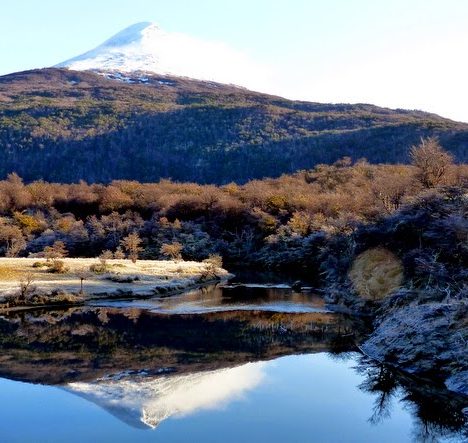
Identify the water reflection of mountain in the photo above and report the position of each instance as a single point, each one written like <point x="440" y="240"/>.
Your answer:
<point x="82" y="344"/>
<point x="144" y="367"/>
<point x="146" y="401"/>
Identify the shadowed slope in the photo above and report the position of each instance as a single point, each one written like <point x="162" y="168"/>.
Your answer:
<point x="65" y="126"/>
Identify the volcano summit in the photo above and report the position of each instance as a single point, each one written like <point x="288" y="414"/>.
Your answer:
<point x="144" y="47"/>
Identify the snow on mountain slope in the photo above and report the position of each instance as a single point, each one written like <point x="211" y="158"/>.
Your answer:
<point x="146" y="401"/>
<point x="145" y="47"/>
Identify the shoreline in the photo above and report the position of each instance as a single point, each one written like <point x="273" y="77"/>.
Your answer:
<point x="121" y="279"/>
<point x="124" y="280"/>
<point x="416" y="333"/>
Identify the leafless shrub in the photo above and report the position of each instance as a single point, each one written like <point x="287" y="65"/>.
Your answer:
<point x="172" y="250"/>
<point x="432" y="162"/>
<point x="131" y="243"/>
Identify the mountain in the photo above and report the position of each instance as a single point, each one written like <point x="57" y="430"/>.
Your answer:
<point x="145" y="48"/>
<point x="136" y="48"/>
<point x="112" y="122"/>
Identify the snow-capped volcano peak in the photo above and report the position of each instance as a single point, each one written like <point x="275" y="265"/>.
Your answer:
<point x="131" y="35"/>
<point x="136" y="48"/>
<point x="145" y="47"/>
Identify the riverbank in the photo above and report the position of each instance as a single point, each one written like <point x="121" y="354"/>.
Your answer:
<point x="27" y="282"/>
<point x="428" y="339"/>
<point x="408" y="273"/>
<point x="422" y="332"/>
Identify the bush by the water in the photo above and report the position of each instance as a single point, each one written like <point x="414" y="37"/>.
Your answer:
<point x="58" y="267"/>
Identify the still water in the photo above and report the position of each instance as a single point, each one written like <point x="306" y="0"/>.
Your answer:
<point x="232" y="297"/>
<point x="159" y="371"/>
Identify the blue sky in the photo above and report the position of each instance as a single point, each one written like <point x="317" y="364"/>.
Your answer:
<point x="410" y="54"/>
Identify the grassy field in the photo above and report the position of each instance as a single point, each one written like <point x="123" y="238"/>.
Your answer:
<point x="145" y="277"/>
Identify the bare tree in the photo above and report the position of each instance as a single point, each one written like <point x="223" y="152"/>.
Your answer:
<point x="119" y="254"/>
<point x="432" y="161"/>
<point x="13" y="239"/>
<point x="213" y="263"/>
<point x="172" y="250"/>
<point x="390" y="188"/>
<point x="25" y="287"/>
<point x="131" y="243"/>
<point x="57" y="250"/>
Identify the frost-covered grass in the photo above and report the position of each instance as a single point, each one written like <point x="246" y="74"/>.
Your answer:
<point x="145" y="277"/>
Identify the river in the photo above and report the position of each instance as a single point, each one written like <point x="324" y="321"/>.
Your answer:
<point x="256" y="363"/>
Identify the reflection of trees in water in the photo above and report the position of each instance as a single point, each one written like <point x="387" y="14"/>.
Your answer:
<point x="437" y="414"/>
<point x="379" y="380"/>
<point x="59" y="346"/>
<point x="86" y="343"/>
<point x="348" y="332"/>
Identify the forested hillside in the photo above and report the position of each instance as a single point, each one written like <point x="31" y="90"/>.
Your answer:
<point x="65" y="126"/>
<point x="290" y="222"/>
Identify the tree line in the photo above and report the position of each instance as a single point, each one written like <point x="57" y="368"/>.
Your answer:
<point x="269" y="223"/>
<point x="64" y="126"/>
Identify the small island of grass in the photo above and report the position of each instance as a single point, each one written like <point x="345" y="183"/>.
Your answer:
<point x="32" y="282"/>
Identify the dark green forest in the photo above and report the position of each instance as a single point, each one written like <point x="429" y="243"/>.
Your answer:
<point x="64" y="126"/>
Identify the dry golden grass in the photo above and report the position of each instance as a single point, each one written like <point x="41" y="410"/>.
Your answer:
<point x="8" y="273"/>
<point x="376" y="273"/>
<point x="140" y="277"/>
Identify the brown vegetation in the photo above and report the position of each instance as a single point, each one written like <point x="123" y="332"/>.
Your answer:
<point x="173" y="250"/>
<point x="131" y="243"/>
<point x="432" y="162"/>
<point x="280" y="223"/>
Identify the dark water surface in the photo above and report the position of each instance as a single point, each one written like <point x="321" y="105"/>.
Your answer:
<point x="225" y="365"/>
<point x="230" y="297"/>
